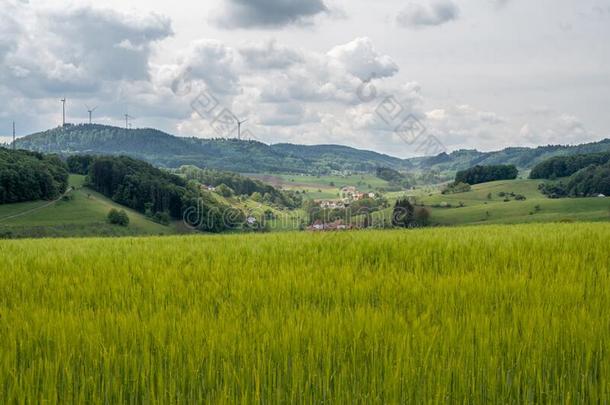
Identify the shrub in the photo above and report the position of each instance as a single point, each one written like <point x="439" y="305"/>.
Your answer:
<point x="455" y="188"/>
<point x="162" y="218"/>
<point x="224" y="191"/>
<point x="118" y="217"/>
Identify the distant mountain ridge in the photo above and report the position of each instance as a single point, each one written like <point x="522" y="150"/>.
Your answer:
<point x="162" y="149"/>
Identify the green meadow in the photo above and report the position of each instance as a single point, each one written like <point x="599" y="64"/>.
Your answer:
<point x="326" y="187"/>
<point x="484" y="205"/>
<point x="475" y="315"/>
<point x="83" y="213"/>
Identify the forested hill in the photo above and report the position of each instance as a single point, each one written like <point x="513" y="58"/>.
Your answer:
<point x="522" y="158"/>
<point x="162" y="149"/>
<point x="165" y="150"/>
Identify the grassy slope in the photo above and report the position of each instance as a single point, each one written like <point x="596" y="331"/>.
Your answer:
<point x="285" y="220"/>
<point x="477" y="206"/>
<point x="463" y="315"/>
<point x="83" y="215"/>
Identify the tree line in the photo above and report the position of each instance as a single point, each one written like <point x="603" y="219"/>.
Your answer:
<point x="31" y="176"/>
<point x="483" y="174"/>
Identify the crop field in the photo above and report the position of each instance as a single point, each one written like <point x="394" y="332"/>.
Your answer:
<point x="490" y="314"/>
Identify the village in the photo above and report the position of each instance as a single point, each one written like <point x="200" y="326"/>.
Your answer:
<point x="348" y="196"/>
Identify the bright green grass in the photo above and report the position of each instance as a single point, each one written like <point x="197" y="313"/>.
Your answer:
<point x="83" y="215"/>
<point x="473" y="315"/>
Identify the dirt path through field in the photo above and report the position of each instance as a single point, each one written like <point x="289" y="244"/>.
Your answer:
<point x="68" y="191"/>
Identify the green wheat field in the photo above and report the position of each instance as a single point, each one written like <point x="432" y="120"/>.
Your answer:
<point x="488" y="314"/>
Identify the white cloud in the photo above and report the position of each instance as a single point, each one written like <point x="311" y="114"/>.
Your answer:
<point x="314" y="98"/>
<point x="463" y="125"/>
<point x="435" y="12"/>
<point x="214" y="63"/>
<point x="360" y="58"/>
<point x="334" y="76"/>
<point x="561" y="129"/>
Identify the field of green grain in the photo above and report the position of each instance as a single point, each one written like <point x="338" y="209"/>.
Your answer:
<point x="493" y="314"/>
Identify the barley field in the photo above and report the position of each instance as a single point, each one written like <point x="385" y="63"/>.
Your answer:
<point x="494" y="314"/>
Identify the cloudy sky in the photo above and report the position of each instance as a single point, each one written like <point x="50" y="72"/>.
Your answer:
<point x="482" y="74"/>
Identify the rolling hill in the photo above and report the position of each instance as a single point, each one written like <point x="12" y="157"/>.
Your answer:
<point x="494" y="203"/>
<point x="166" y="150"/>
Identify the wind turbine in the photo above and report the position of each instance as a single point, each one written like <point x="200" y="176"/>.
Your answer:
<point x="90" y="111"/>
<point x="63" y="121"/>
<point x="127" y="118"/>
<point x="239" y="128"/>
<point x="14" y="141"/>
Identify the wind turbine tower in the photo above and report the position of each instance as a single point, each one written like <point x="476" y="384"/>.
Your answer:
<point x="63" y="104"/>
<point x="239" y="128"/>
<point x="14" y="143"/>
<point x="127" y="118"/>
<point x="90" y="111"/>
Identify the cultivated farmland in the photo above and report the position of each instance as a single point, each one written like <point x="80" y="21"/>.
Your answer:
<point x="463" y="315"/>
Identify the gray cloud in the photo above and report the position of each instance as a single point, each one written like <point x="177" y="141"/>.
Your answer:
<point x="283" y="114"/>
<point x="269" y="55"/>
<point x="436" y="12"/>
<point x="106" y="43"/>
<point x="79" y="49"/>
<point x="499" y="3"/>
<point x="10" y="29"/>
<point x="269" y="13"/>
